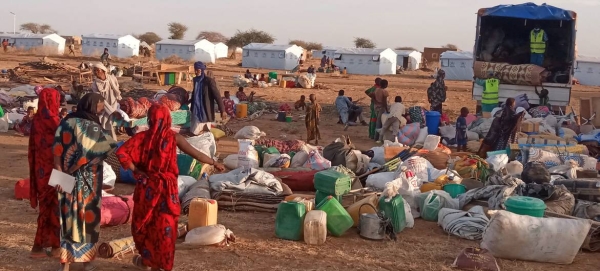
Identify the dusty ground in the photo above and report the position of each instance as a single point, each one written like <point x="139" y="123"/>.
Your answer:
<point x="426" y="247"/>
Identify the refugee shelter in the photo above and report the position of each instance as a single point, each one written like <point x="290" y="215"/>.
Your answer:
<point x="366" y="61"/>
<point x="409" y="59"/>
<point x="122" y="46"/>
<point x="271" y="56"/>
<point x="221" y="50"/>
<point x="458" y="65"/>
<point x="587" y="70"/>
<point x="327" y="51"/>
<point x="193" y="50"/>
<point x="49" y="43"/>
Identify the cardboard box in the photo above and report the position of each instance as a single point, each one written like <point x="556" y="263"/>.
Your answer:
<point x="530" y="127"/>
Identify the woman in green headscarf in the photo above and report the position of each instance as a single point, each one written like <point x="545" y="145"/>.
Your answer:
<point x="373" y="118"/>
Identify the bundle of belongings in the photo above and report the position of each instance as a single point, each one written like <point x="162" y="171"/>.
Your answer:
<point x="524" y="74"/>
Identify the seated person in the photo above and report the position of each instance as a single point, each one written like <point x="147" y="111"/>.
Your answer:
<point x="393" y="122"/>
<point x="300" y="104"/>
<point x="241" y="95"/>
<point x="248" y="75"/>
<point x="229" y="104"/>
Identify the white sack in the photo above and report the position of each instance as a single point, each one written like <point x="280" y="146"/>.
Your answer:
<point x="299" y="159"/>
<point x="548" y="240"/>
<point x="249" y="132"/>
<point x="184" y="183"/>
<point x="423" y="133"/>
<point x="379" y="180"/>
<point x="209" y="235"/>
<point x="108" y="176"/>
<point x="231" y="161"/>
<point x="431" y="142"/>
<point x="205" y="143"/>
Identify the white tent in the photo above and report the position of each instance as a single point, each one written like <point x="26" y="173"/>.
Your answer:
<point x="587" y="70"/>
<point x="327" y="51"/>
<point x="122" y="46"/>
<point x="366" y="61"/>
<point x="221" y="50"/>
<point x="50" y="43"/>
<point x="271" y="56"/>
<point x="408" y="59"/>
<point x="193" y="50"/>
<point x="458" y="65"/>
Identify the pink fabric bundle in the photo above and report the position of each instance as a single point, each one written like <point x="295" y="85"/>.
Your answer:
<point x="116" y="210"/>
<point x="170" y="101"/>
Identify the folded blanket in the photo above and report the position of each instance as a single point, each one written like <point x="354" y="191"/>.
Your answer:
<point x="469" y="225"/>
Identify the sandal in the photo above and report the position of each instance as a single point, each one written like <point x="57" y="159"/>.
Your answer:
<point x="137" y="262"/>
<point x="40" y="254"/>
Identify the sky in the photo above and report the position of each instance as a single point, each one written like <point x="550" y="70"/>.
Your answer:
<point x="388" y="23"/>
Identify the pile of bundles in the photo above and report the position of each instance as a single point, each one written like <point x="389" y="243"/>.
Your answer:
<point x="173" y="99"/>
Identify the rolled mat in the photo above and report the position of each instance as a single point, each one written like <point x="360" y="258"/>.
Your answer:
<point x="117" y="247"/>
<point x="525" y="74"/>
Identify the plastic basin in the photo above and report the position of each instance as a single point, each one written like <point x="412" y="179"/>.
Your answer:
<point x="455" y="189"/>
<point x="522" y="205"/>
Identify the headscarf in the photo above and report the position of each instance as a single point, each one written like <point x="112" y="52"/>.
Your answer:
<point x="41" y="139"/>
<point x="197" y="107"/>
<point x="87" y="108"/>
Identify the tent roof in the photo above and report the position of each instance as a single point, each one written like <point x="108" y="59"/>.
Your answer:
<point x="269" y="47"/>
<point x="457" y="55"/>
<point x="588" y="59"/>
<point x="405" y="52"/>
<point x="104" y="36"/>
<point x="179" y="42"/>
<point x="361" y="51"/>
<point x="529" y="11"/>
<point x="26" y="35"/>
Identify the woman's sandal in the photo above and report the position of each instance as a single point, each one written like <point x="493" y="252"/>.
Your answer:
<point x="40" y="254"/>
<point x="137" y="262"/>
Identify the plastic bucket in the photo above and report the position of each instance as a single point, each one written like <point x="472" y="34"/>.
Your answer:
<point x="241" y="110"/>
<point x="288" y="119"/>
<point x="455" y="189"/>
<point x="432" y="119"/>
<point x="522" y="205"/>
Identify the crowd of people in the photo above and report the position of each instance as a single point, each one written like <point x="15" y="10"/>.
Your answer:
<point x="76" y="143"/>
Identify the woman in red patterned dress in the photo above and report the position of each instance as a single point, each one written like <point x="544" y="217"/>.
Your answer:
<point x="41" y="163"/>
<point x="151" y="155"/>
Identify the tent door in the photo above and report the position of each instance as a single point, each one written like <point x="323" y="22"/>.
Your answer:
<point x="405" y="62"/>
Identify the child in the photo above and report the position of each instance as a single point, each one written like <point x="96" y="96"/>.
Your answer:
<point x="313" y="111"/>
<point x="241" y="95"/>
<point x="300" y="104"/>
<point x="73" y="109"/>
<point x="63" y="113"/>
<point x="461" y="130"/>
<point x="229" y="104"/>
<point x="24" y="126"/>
<point x="544" y="99"/>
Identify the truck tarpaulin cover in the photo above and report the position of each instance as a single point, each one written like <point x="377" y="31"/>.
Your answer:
<point x="529" y="11"/>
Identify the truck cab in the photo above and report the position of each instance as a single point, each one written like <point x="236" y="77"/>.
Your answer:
<point x="502" y="50"/>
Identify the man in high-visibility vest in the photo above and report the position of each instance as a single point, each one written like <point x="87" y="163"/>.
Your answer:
<point x="537" y="41"/>
<point x="489" y="96"/>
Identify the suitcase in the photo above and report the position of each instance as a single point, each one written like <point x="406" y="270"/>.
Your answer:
<point x="583" y="189"/>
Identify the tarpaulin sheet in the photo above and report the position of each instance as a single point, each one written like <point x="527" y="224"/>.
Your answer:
<point x="530" y="11"/>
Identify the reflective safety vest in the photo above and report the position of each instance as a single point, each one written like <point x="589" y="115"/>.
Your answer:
<point x="538" y="45"/>
<point x="490" y="93"/>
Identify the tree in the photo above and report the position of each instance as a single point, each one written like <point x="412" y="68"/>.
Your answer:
<point x="177" y="30"/>
<point x="407" y="48"/>
<point x="149" y="37"/>
<point x="313" y="46"/>
<point x="363" y="43"/>
<point x="243" y="38"/>
<point x="450" y="46"/>
<point x="214" y="37"/>
<point x="37" y="28"/>
<point x="300" y="43"/>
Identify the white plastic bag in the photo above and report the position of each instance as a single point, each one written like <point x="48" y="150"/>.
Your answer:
<point x="205" y="143"/>
<point x="209" y="235"/>
<point x="497" y="161"/>
<point x="378" y="181"/>
<point x="108" y="177"/>
<point x="431" y="142"/>
<point x="184" y="183"/>
<point x="410" y="219"/>
<point x="231" y="161"/>
<point x="548" y="240"/>
<point x="316" y="161"/>
<point x="422" y="135"/>
<point x="247" y="155"/>
<point x="249" y="132"/>
<point x="4" y="124"/>
<point x="299" y="159"/>
<point x="395" y="143"/>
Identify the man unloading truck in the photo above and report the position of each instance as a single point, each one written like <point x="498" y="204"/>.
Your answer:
<point x="538" y="40"/>
<point x="489" y="97"/>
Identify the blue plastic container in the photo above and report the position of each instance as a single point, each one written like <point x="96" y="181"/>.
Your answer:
<point x="432" y="119"/>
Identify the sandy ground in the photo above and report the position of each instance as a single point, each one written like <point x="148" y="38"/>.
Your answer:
<point x="426" y="247"/>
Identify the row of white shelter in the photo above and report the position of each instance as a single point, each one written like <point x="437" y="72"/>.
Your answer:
<point x="122" y="46"/>
<point x="407" y="59"/>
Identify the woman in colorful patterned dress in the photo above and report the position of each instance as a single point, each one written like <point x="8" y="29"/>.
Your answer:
<point x="373" y="119"/>
<point x="80" y="145"/>
<point x="152" y="156"/>
<point x="41" y="163"/>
